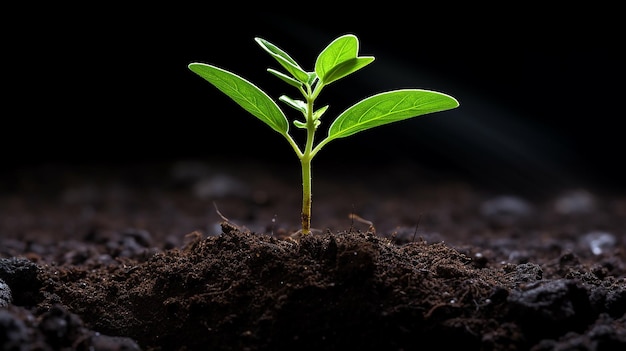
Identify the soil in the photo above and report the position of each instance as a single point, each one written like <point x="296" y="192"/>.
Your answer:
<point x="194" y="255"/>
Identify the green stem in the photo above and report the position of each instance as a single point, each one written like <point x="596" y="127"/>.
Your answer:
<point x="306" y="194"/>
<point x="305" y="161"/>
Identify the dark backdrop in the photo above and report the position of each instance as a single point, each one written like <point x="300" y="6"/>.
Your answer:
<point x="540" y="91"/>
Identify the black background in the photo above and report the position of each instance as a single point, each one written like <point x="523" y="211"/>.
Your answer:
<point x="541" y="91"/>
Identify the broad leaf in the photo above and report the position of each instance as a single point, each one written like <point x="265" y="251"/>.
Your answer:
<point x="339" y="59"/>
<point x="388" y="107"/>
<point x="345" y="68"/>
<point x="244" y="93"/>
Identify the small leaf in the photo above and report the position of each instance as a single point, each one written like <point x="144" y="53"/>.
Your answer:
<point x="339" y="59"/>
<point x="320" y="111"/>
<point x="244" y="93"/>
<point x="312" y="78"/>
<point x="302" y="125"/>
<point x="285" y="78"/>
<point x="275" y="50"/>
<point x="284" y="59"/>
<point x="388" y="107"/>
<point x="295" y="104"/>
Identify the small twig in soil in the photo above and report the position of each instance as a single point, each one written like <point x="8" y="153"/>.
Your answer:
<point x="228" y="221"/>
<point x="356" y="217"/>
<point x="220" y="214"/>
<point x="417" y="226"/>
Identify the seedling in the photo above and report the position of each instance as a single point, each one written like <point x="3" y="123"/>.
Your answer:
<point x="339" y="59"/>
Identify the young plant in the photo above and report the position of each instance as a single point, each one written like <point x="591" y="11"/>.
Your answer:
<point x="339" y="59"/>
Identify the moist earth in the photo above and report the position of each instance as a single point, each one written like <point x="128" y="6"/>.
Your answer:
<point x="194" y="255"/>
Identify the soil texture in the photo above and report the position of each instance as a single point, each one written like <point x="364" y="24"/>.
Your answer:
<point x="195" y="255"/>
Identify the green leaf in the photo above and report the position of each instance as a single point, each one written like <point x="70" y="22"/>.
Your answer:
<point x="312" y="78"/>
<point x="343" y="69"/>
<point x="299" y="124"/>
<point x="339" y="59"/>
<point x="275" y="50"/>
<point x="320" y="111"/>
<point x="284" y="59"/>
<point x="244" y="93"/>
<point x="388" y="107"/>
<point x="285" y="78"/>
<point x="295" y="104"/>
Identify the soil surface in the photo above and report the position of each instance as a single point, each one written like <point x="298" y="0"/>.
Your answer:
<point x="195" y="255"/>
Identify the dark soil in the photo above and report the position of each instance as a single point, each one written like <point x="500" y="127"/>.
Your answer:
<point x="206" y="256"/>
